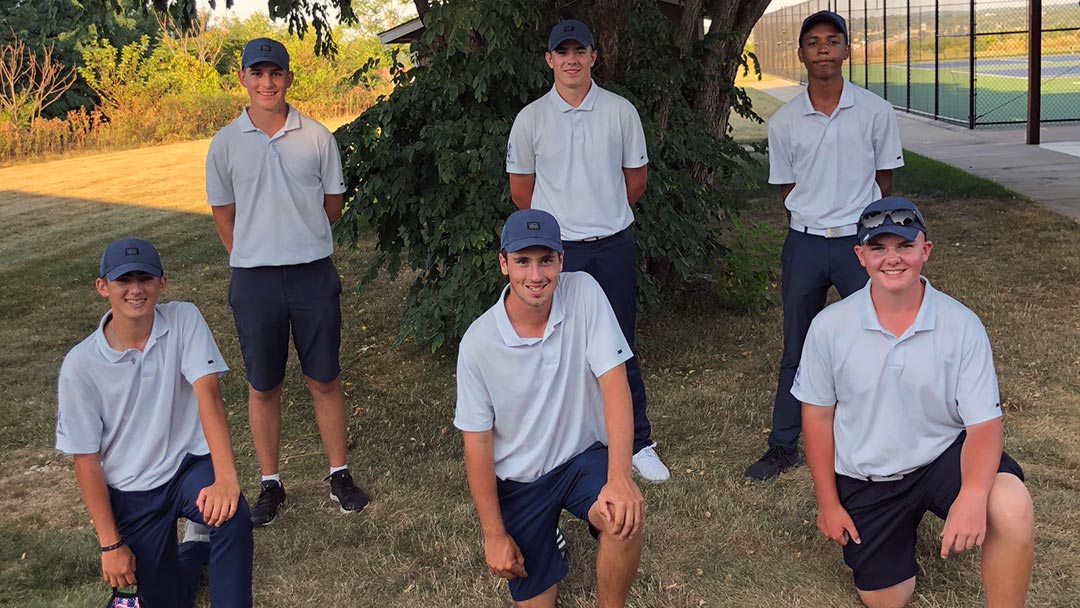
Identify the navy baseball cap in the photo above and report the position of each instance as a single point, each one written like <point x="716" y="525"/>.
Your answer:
<point x="571" y="29"/>
<point x="128" y="255"/>
<point x="823" y="17"/>
<point x="265" y="49"/>
<point x="531" y="228"/>
<point x="892" y="215"/>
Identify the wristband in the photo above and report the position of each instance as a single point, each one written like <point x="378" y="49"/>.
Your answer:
<point x="113" y="547"/>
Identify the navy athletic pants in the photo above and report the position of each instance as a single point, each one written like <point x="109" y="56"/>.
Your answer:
<point x="809" y="265"/>
<point x="612" y="261"/>
<point x="167" y="575"/>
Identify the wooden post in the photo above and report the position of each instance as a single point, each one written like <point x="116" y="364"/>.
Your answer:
<point x="1034" y="100"/>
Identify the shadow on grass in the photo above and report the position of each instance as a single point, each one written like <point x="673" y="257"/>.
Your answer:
<point x="711" y="538"/>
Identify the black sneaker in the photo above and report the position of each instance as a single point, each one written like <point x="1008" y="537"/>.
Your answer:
<point x="347" y="494"/>
<point x="271" y="498"/>
<point x="775" y="460"/>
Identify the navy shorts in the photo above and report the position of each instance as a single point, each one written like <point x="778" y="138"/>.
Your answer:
<point x="887" y="516"/>
<point x="268" y="301"/>
<point x="530" y="513"/>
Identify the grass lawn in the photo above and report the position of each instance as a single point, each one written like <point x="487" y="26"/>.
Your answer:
<point x="712" y="539"/>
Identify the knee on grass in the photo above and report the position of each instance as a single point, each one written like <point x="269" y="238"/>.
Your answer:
<point x="890" y="597"/>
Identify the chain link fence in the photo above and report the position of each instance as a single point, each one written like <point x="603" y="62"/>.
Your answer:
<point x="962" y="61"/>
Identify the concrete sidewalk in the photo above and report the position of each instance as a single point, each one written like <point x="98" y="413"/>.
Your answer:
<point x="1049" y="174"/>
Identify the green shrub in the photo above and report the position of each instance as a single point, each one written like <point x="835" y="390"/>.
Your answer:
<point x="425" y="166"/>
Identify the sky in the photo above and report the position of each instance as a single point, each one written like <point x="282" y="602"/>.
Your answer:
<point x="243" y="8"/>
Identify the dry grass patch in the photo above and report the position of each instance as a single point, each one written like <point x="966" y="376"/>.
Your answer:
<point x="712" y="539"/>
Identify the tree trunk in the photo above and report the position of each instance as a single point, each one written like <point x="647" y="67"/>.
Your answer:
<point x="731" y="25"/>
<point x="608" y="18"/>
<point x="422" y="7"/>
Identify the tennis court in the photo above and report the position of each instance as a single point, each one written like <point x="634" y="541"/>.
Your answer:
<point x="893" y="50"/>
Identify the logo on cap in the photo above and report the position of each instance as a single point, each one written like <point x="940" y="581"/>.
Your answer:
<point x="568" y="28"/>
<point x="532" y="226"/>
<point x="131" y="251"/>
<point x="264" y="48"/>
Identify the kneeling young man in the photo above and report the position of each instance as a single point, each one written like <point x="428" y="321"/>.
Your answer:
<point x="545" y="411"/>
<point x="901" y="415"/>
<point x="141" y="412"/>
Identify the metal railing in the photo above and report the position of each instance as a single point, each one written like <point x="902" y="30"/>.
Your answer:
<point x="962" y="61"/>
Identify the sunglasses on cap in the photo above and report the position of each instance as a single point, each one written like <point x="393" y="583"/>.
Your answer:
<point x="899" y="217"/>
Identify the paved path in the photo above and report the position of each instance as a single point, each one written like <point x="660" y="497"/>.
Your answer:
<point x="1049" y="173"/>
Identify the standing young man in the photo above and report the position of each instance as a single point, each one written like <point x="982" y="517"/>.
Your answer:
<point x="274" y="181"/>
<point x="545" y="412"/>
<point x="902" y="416"/>
<point x="579" y="153"/>
<point x="832" y="150"/>
<point x="140" y="410"/>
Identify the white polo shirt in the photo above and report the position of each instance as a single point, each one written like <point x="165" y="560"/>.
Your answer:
<point x="277" y="184"/>
<point x="540" y="396"/>
<point x="138" y="408"/>
<point x="900" y="401"/>
<point x="578" y="155"/>
<point x="832" y="159"/>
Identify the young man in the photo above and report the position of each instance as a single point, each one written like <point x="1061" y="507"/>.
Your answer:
<point x="579" y="153"/>
<point x="902" y="416"/>
<point x="832" y="150"/>
<point x="274" y="181"/>
<point x="544" y="409"/>
<point x="140" y="410"/>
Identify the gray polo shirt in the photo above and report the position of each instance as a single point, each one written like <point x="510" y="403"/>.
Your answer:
<point x="832" y="160"/>
<point x="277" y="184"/>
<point x="900" y="400"/>
<point x="578" y="155"/>
<point x="540" y="397"/>
<point x="138" y="408"/>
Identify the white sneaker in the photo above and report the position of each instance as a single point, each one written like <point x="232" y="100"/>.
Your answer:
<point x="648" y="465"/>
<point x="196" y="533"/>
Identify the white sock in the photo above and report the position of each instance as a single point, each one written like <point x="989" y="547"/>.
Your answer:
<point x="336" y="469"/>
<point x="275" y="477"/>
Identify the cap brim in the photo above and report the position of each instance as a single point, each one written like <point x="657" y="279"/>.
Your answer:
<point x="520" y="244"/>
<point x="123" y="269"/>
<point x="909" y="233"/>
<point x="575" y="38"/>
<point x="822" y="19"/>
<point x="264" y="59"/>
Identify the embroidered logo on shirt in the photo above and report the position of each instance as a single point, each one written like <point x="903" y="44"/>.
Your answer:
<point x="210" y="362"/>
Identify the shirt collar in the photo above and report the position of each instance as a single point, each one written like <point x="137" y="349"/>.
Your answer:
<point x="160" y="328"/>
<point x="292" y="121"/>
<point x="586" y="104"/>
<point x="506" y="329"/>
<point x="847" y="99"/>
<point x="925" y="319"/>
